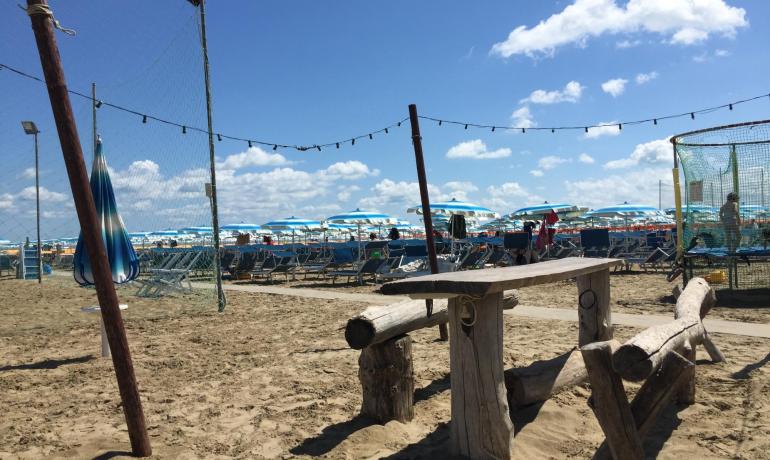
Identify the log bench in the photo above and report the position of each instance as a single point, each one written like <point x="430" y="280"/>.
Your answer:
<point x="663" y="357"/>
<point x="481" y="426"/>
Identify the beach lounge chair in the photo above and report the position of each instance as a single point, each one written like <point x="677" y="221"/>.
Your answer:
<point x="167" y="280"/>
<point x="369" y="267"/>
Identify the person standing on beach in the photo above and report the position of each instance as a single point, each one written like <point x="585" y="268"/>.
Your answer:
<point x="729" y="215"/>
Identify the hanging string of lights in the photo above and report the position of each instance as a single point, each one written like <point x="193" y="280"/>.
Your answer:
<point x="250" y="142"/>
<point x="370" y="135"/>
<point x="585" y="128"/>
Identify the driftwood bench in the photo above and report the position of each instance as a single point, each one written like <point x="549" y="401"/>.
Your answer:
<point x="481" y="426"/>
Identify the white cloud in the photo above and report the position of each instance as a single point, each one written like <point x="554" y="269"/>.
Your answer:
<point x="345" y="191"/>
<point x="708" y="56"/>
<point x="614" y="87"/>
<point x="503" y="198"/>
<point x="464" y="186"/>
<point x="651" y="153"/>
<point x="350" y="170"/>
<point x="46" y="196"/>
<point x="522" y="118"/>
<point x="550" y="162"/>
<point x="637" y="186"/>
<point x="642" y="78"/>
<point x="721" y="53"/>
<point x="682" y="22"/>
<point x="401" y="194"/>
<point x="607" y="128"/>
<point x="571" y="93"/>
<point x="477" y="150"/>
<point x="28" y="173"/>
<point x="254" y="156"/>
<point x="586" y="158"/>
<point x="537" y="173"/>
<point x="6" y="201"/>
<point x="624" y="44"/>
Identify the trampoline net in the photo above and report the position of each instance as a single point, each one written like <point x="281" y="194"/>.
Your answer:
<point x="727" y="241"/>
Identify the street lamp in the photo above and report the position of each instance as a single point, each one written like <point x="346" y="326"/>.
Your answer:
<point x="30" y="128"/>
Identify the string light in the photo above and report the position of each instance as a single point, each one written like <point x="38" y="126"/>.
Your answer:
<point x="523" y="131"/>
<point x="318" y="147"/>
<point x="440" y="121"/>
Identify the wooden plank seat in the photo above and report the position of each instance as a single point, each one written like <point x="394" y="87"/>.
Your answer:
<point x="481" y="426"/>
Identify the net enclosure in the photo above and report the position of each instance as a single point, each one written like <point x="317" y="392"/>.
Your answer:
<point x="726" y="223"/>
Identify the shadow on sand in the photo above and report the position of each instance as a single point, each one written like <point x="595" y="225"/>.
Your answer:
<point x="331" y="436"/>
<point x="48" y="363"/>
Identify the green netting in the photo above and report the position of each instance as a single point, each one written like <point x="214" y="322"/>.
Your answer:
<point x="727" y="241"/>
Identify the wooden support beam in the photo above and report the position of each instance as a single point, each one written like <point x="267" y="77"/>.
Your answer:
<point x="594" y="307"/>
<point x="481" y="425"/>
<point x="610" y="403"/>
<point x="686" y="392"/>
<point x="543" y="379"/>
<point x="379" y="323"/>
<point x="386" y="375"/>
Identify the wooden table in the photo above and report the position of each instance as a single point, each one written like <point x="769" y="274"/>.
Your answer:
<point x="481" y="426"/>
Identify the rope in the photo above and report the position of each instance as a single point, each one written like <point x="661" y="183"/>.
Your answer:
<point x="45" y="10"/>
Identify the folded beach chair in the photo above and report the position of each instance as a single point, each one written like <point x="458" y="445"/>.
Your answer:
<point x="167" y="280"/>
<point x="370" y="267"/>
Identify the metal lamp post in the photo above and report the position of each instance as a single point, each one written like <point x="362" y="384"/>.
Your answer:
<point x="31" y="128"/>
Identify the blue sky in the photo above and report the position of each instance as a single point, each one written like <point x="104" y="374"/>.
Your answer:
<point x="304" y="72"/>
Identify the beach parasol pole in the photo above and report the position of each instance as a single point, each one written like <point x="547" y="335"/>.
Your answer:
<point x="425" y="201"/>
<point x="42" y="25"/>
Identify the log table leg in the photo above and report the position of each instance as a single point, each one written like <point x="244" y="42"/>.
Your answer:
<point x="594" y="307"/>
<point x="386" y="375"/>
<point x="481" y="425"/>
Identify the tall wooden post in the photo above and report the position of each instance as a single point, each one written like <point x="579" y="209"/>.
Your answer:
<point x="221" y="299"/>
<point x="425" y="201"/>
<point x="89" y="224"/>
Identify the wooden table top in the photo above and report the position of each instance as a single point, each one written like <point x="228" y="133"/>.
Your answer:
<point x="479" y="283"/>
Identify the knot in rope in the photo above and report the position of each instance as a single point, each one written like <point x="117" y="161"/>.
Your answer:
<point x="45" y="10"/>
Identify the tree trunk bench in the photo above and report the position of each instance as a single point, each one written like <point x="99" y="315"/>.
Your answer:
<point x="481" y="426"/>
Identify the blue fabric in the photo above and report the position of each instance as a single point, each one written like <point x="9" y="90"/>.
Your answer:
<point x="120" y="252"/>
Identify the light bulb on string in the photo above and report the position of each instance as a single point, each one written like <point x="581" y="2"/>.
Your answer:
<point x="318" y="147"/>
<point x="249" y="144"/>
<point x="466" y="126"/>
<point x="352" y="141"/>
<point x="620" y="126"/>
<point x="386" y="130"/>
<point x="338" y="145"/>
<point x="219" y="137"/>
<point x="692" y="115"/>
<point x="275" y="147"/>
<point x="370" y="136"/>
<point x="523" y="131"/>
<point x="655" y="121"/>
<point x="144" y="118"/>
<point x="493" y="129"/>
<point x="184" y="129"/>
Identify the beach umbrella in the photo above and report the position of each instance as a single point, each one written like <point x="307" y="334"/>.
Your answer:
<point x="242" y="227"/>
<point x="164" y="233"/>
<point x="4" y="242"/>
<point x="454" y="207"/>
<point x="294" y="224"/>
<point x="543" y="209"/>
<point x="359" y="218"/>
<point x="120" y="252"/>
<point x="197" y="230"/>
<point x="625" y="210"/>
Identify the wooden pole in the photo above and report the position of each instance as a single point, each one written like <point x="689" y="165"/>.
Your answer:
<point x="221" y="299"/>
<point x="427" y="219"/>
<point x="89" y="225"/>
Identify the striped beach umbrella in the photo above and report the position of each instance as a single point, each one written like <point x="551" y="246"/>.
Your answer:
<point x="242" y="227"/>
<point x="361" y="218"/>
<point x="454" y="207"/>
<point x="120" y="251"/>
<point x="545" y="208"/>
<point x="292" y="225"/>
<point x="625" y="210"/>
<point x="197" y="230"/>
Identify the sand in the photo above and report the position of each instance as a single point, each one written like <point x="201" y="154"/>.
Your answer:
<point x="272" y="377"/>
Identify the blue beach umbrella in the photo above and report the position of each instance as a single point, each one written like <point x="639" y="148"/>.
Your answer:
<point x="4" y="242"/>
<point x="242" y="227"/>
<point x="294" y="224"/>
<point x="545" y="208"/>
<point x="120" y="252"/>
<point x="359" y="218"/>
<point x="625" y="210"/>
<point x="165" y="233"/>
<point x="454" y="207"/>
<point x="197" y="230"/>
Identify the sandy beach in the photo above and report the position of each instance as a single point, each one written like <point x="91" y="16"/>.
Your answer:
<point x="272" y="377"/>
